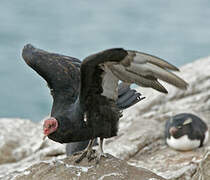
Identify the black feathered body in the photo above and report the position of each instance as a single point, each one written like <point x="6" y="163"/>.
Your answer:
<point x="63" y="77"/>
<point x="102" y="112"/>
<point x="103" y="116"/>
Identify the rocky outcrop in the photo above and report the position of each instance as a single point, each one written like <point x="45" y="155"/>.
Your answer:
<point x="139" y="148"/>
<point x="12" y="133"/>
<point x="203" y="171"/>
<point x="109" y="168"/>
<point x="22" y="146"/>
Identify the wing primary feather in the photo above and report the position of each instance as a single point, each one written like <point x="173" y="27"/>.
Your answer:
<point x="123" y="88"/>
<point x="140" y="57"/>
<point x="126" y="96"/>
<point x="131" y="77"/>
<point x="131" y="101"/>
<point x="158" y="72"/>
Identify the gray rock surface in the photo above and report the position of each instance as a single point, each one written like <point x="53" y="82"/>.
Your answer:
<point x="21" y="146"/>
<point x="18" y="139"/>
<point x="109" y="168"/>
<point x="203" y="171"/>
<point x="140" y="142"/>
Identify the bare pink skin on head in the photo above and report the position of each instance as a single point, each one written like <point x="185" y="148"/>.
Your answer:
<point x="50" y="126"/>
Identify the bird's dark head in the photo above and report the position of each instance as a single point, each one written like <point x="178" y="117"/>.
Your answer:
<point x="50" y="126"/>
<point x="180" y="127"/>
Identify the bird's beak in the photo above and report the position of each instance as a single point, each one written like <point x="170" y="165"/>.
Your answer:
<point x="173" y="130"/>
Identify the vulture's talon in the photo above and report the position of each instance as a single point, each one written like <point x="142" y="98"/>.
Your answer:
<point x="91" y="158"/>
<point x="77" y="153"/>
<point x="91" y="155"/>
<point x="100" y="155"/>
<point x="88" y="152"/>
<point x="84" y="154"/>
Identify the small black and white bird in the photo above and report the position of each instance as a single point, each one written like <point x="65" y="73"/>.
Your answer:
<point x="185" y="132"/>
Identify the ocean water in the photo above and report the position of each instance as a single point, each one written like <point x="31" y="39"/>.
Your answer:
<point x="178" y="31"/>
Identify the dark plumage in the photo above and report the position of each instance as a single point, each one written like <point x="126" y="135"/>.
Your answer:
<point x="126" y="98"/>
<point x="62" y="74"/>
<point x="97" y="96"/>
<point x="186" y="131"/>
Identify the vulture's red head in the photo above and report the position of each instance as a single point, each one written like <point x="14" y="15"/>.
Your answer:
<point x="50" y="126"/>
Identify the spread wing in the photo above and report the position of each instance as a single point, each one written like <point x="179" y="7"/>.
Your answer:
<point x="62" y="73"/>
<point x="101" y="72"/>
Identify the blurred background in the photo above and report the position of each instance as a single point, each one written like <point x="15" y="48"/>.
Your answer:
<point x="178" y="31"/>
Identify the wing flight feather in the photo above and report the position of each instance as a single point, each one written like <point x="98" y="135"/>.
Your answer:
<point x="131" y="67"/>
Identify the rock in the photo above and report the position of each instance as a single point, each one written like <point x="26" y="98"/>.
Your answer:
<point x="21" y="146"/>
<point x="13" y="147"/>
<point x="109" y="168"/>
<point x="203" y="171"/>
<point x="140" y="142"/>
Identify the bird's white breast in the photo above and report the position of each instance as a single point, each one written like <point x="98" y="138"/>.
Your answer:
<point x="183" y="143"/>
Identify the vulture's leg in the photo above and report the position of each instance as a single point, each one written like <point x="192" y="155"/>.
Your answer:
<point x="87" y="152"/>
<point x="101" y="151"/>
<point x="81" y="152"/>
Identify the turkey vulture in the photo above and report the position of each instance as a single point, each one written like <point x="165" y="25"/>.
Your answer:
<point x="96" y="99"/>
<point x="63" y="78"/>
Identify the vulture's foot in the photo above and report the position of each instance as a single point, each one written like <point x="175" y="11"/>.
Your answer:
<point x="88" y="152"/>
<point x="100" y="155"/>
<point x="101" y="152"/>
<point x="77" y="153"/>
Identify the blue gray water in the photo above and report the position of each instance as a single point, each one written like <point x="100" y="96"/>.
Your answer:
<point x="178" y="31"/>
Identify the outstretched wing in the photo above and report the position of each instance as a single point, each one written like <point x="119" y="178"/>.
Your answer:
<point x="62" y="73"/>
<point x="101" y="72"/>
